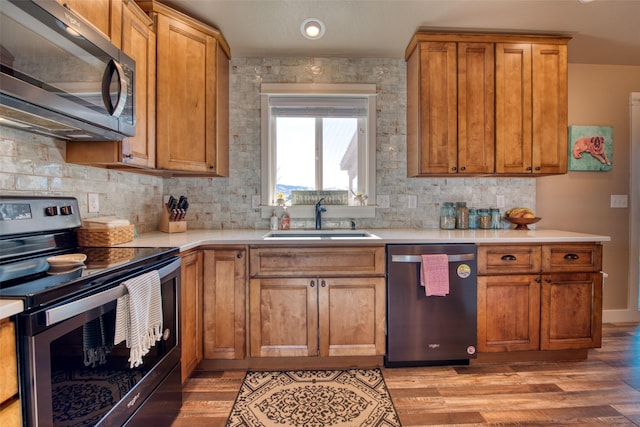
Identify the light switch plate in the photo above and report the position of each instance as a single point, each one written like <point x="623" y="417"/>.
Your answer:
<point x="619" y="201"/>
<point x="500" y="201"/>
<point x="412" y="201"/>
<point x="94" y="202"/>
<point x="382" y="201"/>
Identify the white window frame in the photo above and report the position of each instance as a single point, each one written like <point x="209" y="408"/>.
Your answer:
<point x="368" y="172"/>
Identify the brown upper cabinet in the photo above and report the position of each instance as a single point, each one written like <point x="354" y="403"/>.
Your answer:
<point x="138" y="40"/>
<point x="192" y="110"/>
<point x="182" y="96"/>
<point x="104" y="15"/>
<point x="473" y="109"/>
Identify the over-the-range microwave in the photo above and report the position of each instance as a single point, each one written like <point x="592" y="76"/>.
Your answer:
<point x="60" y="76"/>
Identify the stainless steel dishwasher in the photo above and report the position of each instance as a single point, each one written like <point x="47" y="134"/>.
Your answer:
<point x="430" y="330"/>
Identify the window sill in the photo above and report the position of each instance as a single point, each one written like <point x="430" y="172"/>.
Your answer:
<point x="333" y="211"/>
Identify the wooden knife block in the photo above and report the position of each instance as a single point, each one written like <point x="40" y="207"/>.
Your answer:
<point x="171" y="226"/>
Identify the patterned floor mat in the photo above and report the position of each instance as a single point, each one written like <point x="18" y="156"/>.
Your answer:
<point x="354" y="397"/>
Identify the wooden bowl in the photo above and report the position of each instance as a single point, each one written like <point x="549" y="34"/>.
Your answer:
<point x="521" y="223"/>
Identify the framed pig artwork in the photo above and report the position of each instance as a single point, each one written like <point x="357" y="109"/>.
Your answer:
<point x="590" y="148"/>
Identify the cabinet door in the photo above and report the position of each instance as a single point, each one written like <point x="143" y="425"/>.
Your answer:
<point x="283" y="317"/>
<point x="139" y="42"/>
<point x="513" y="108"/>
<point x="550" y="109"/>
<point x="571" y="316"/>
<point x="187" y="116"/>
<point x="508" y="313"/>
<point x="104" y="15"/>
<point x="9" y="367"/>
<point x="224" y="303"/>
<point x="433" y="144"/>
<point x="476" y="98"/>
<point x="352" y="316"/>
<point x="191" y="312"/>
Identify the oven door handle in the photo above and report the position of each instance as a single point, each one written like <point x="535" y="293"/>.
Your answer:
<point x="67" y="311"/>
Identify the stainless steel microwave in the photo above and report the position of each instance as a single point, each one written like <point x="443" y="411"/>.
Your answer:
<point x="61" y="77"/>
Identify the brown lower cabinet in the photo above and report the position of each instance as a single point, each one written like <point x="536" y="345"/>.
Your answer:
<point x="331" y="304"/>
<point x="191" y="312"/>
<point x="10" y="409"/>
<point x="539" y="297"/>
<point x="224" y="302"/>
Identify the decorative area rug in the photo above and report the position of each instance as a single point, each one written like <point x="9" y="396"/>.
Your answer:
<point x="354" y="397"/>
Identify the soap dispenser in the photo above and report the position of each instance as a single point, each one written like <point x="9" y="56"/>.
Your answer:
<point x="274" y="221"/>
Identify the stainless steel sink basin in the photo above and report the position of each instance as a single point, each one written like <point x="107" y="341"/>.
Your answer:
<point x="319" y="235"/>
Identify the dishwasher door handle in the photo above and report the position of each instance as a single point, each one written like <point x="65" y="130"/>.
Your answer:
<point x="418" y="258"/>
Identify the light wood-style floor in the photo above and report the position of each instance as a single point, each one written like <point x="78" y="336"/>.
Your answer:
<point x="602" y="390"/>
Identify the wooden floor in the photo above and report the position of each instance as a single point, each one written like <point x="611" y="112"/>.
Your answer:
<point x="603" y="390"/>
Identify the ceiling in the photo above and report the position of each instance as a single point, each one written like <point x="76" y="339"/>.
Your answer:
<point x="603" y="31"/>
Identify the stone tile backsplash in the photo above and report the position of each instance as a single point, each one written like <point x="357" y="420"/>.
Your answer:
<point x="34" y="165"/>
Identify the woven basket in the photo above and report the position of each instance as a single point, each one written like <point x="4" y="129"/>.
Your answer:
<point x="105" y="236"/>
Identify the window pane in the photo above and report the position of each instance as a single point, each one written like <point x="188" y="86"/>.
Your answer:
<point x="339" y="149"/>
<point x="295" y="154"/>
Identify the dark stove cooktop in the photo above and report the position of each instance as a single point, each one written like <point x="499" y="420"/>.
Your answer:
<point x="44" y="284"/>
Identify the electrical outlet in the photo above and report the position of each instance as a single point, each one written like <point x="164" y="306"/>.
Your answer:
<point x="382" y="201"/>
<point x="412" y="201"/>
<point x="619" y="201"/>
<point x="255" y="202"/>
<point x="94" y="202"/>
<point x="500" y="201"/>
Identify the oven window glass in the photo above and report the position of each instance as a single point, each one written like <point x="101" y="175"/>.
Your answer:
<point x="90" y="376"/>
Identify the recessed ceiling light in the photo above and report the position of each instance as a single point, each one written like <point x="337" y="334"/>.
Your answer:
<point x="312" y="28"/>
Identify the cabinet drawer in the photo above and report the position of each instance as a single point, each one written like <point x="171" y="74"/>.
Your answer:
<point x="572" y="257"/>
<point x="325" y="261"/>
<point x="501" y="259"/>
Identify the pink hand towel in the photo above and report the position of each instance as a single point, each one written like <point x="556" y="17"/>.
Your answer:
<point x="434" y="274"/>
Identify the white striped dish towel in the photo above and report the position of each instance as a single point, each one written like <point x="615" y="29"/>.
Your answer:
<point x="139" y="316"/>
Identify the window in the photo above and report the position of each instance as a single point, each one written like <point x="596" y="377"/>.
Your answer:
<point x="318" y="137"/>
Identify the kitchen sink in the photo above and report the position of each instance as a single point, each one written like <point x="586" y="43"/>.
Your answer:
<point x="319" y="235"/>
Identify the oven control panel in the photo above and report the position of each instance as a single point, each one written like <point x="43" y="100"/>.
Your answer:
<point x="28" y="214"/>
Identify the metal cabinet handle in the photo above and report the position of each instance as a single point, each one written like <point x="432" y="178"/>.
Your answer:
<point x="548" y="280"/>
<point x="323" y="284"/>
<point x="537" y="280"/>
<point x="128" y="156"/>
<point x="312" y="284"/>
<point x="571" y="257"/>
<point x="239" y="255"/>
<point x="454" y="168"/>
<point x="508" y="257"/>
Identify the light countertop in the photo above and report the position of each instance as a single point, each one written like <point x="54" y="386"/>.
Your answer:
<point x="194" y="238"/>
<point x="9" y="307"/>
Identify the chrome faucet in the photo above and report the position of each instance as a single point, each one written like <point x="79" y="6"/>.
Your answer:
<point x="319" y="210"/>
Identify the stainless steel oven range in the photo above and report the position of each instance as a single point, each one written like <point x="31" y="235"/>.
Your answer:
<point x="71" y="371"/>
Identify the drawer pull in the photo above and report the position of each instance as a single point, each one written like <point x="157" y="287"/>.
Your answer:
<point x="571" y="257"/>
<point x="508" y="258"/>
